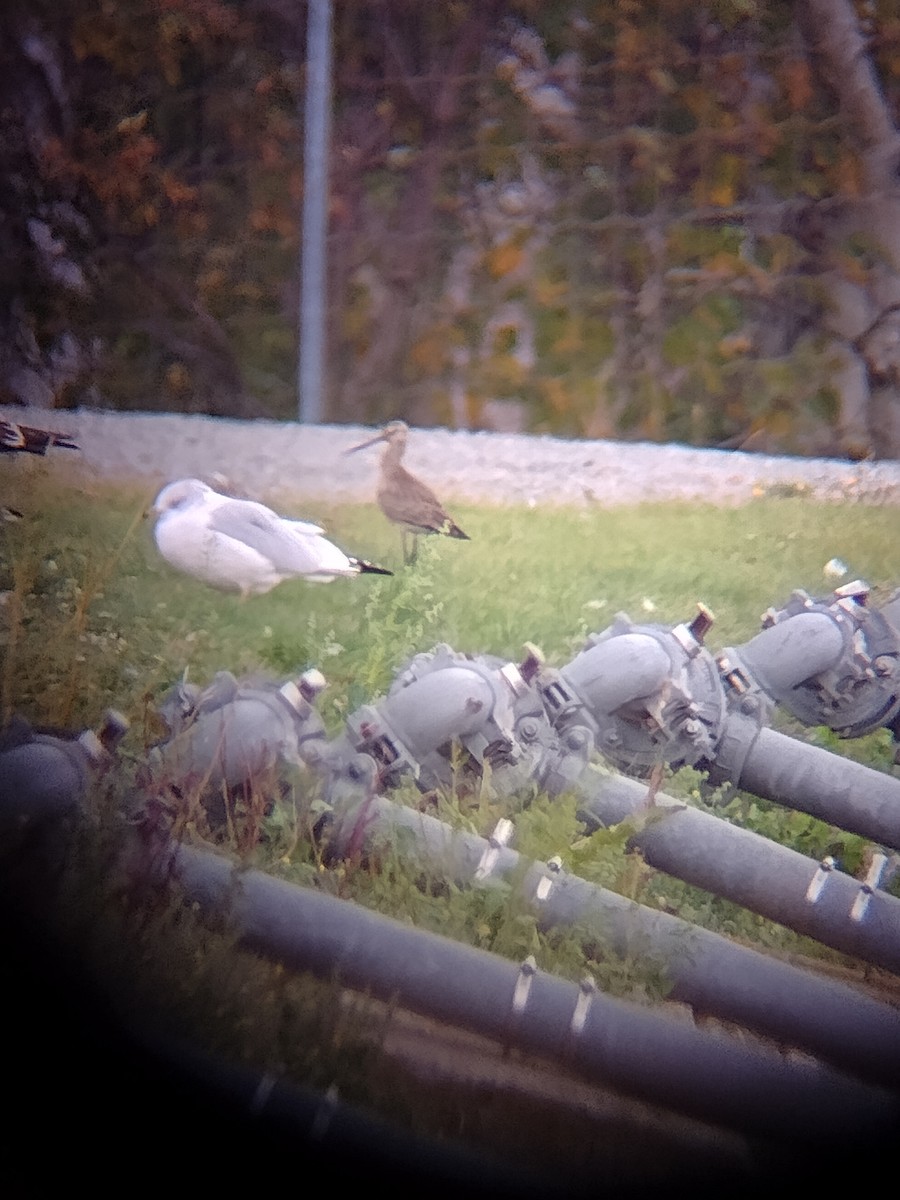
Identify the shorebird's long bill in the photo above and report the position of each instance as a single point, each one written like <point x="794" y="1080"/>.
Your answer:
<point x="379" y="437"/>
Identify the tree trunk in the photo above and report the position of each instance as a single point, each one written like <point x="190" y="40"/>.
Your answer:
<point x="864" y="319"/>
<point x="45" y="275"/>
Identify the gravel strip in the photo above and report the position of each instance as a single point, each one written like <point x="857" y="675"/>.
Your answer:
<point x="273" y="458"/>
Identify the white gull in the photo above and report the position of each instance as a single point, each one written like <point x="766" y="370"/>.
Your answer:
<point x="241" y="545"/>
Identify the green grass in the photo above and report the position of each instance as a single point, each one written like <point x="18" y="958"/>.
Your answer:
<point x="91" y="617"/>
<point x="100" y="605"/>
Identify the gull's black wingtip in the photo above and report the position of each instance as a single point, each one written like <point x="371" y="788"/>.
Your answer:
<point x="367" y="568"/>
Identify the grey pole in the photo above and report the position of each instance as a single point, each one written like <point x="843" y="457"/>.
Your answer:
<point x="313" y="283"/>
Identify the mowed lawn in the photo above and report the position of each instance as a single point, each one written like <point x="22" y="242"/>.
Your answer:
<point x="92" y="616"/>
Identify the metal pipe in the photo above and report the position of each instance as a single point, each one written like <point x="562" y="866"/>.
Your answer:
<point x="275" y="1115"/>
<point x="452" y="703"/>
<point x="618" y="671"/>
<point x="717" y="1078"/>
<point x="783" y="656"/>
<point x="45" y="776"/>
<point x="706" y="970"/>
<point x="834" y="789"/>
<point x="748" y="869"/>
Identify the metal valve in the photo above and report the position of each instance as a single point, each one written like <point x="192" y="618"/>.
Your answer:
<point x="45" y="777"/>
<point x="448" y="711"/>
<point x="235" y="734"/>
<point x="647" y="693"/>
<point x="832" y="662"/>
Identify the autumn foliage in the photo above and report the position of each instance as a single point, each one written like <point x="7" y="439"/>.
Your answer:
<point x="602" y="219"/>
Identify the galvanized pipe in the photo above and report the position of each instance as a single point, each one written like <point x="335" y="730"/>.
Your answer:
<point x="717" y="1078"/>
<point x="707" y="971"/>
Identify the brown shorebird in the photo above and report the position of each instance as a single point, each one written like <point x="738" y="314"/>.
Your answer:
<point x="24" y="439"/>
<point x="403" y="498"/>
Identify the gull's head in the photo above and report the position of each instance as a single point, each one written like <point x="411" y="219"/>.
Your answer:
<point x="183" y="493"/>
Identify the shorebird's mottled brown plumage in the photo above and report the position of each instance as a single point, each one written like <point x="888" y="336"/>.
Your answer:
<point x="403" y="498"/>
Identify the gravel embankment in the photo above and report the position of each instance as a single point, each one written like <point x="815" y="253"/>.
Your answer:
<point x="269" y="459"/>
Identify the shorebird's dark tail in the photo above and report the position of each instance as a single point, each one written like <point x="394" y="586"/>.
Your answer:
<point x="367" y="568"/>
<point x="25" y="439"/>
<point x="63" y="439"/>
<point x="453" y="530"/>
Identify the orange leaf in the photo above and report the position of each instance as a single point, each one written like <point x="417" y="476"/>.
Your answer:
<point x="503" y="259"/>
<point x="797" y="82"/>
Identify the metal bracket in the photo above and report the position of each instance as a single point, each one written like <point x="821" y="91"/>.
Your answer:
<point x="587" y="989"/>
<point x="817" y="883"/>
<point x="871" y="882"/>
<point x="527" y="972"/>
<point x="546" y="883"/>
<point x="501" y="836"/>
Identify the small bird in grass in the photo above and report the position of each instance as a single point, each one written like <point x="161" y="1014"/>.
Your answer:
<point x="403" y="498"/>
<point x="241" y="545"/>
<point x="24" y="439"/>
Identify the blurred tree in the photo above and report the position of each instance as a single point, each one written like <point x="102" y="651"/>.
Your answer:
<point x="396" y="146"/>
<point x="663" y="220"/>
<point x="859" y="238"/>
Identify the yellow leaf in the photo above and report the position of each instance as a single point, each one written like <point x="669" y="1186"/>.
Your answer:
<point x="133" y="124"/>
<point x="177" y="377"/>
<point x="722" y="194"/>
<point x="723" y="187"/>
<point x="570" y="340"/>
<point x="556" y="394"/>
<point x="548" y="291"/>
<point x="429" y="353"/>
<point x="504" y="259"/>
<point x="723" y="263"/>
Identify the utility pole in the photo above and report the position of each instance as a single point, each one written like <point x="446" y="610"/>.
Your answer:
<point x="313" y="282"/>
